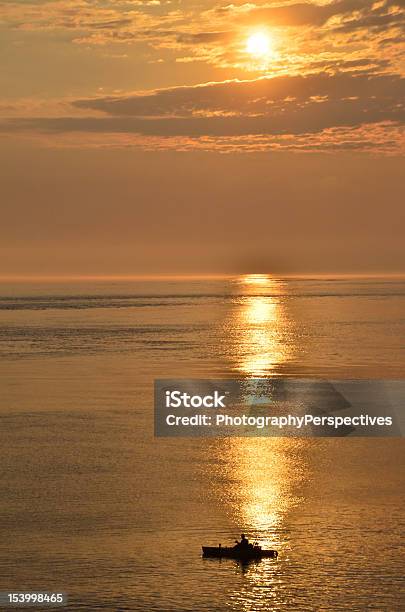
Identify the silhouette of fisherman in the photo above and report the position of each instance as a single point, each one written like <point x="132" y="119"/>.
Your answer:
<point x="243" y="544"/>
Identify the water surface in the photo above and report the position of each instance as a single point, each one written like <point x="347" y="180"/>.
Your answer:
<point x="93" y="505"/>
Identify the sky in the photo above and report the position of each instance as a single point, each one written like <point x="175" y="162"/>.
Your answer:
<point x="157" y="136"/>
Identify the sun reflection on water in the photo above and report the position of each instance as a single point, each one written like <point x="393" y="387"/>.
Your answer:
<point x="265" y="478"/>
<point x="259" y="328"/>
<point x="264" y="474"/>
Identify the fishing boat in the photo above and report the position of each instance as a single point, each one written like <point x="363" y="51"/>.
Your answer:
<point x="242" y="550"/>
<point x="257" y="552"/>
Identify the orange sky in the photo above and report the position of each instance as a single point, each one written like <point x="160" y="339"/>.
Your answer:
<point x="152" y="136"/>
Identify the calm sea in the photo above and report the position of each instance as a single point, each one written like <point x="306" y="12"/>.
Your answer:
<point x="93" y="505"/>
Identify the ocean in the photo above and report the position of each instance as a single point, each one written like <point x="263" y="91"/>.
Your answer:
<point x="93" y="505"/>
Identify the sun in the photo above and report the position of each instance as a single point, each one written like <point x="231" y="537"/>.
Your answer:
<point x="258" y="44"/>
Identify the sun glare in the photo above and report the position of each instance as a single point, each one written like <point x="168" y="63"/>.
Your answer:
<point x="258" y="44"/>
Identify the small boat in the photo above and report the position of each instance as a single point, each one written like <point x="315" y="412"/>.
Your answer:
<point x="236" y="552"/>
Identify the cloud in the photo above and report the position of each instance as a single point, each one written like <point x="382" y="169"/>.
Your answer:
<point x="195" y="127"/>
<point x="203" y="37"/>
<point x="360" y="13"/>
<point x="299" y="14"/>
<point x="264" y="109"/>
<point x="181" y="32"/>
<point x="379" y="17"/>
<point x="335" y="68"/>
<point x="380" y="138"/>
<point x="82" y="15"/>
<point x="342" y="97"/>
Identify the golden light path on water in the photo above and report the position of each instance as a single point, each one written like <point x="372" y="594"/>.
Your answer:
<point x="261" y="324"/>
<point x="265" y="472"/>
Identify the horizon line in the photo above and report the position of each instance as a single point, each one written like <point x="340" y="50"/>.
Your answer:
<point x="178" y="276"/>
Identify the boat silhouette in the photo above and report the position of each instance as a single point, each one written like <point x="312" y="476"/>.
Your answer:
<point x="242" y="550"/>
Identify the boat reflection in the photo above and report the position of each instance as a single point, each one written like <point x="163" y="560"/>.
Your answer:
<point x="245" y="566"/>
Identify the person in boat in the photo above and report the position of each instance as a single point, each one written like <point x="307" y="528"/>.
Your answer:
<point x="244" y="544"/>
